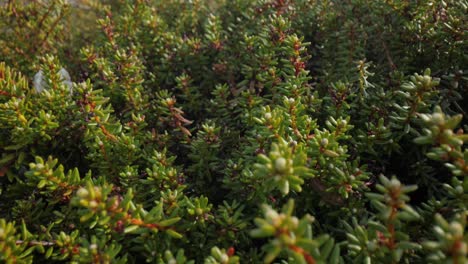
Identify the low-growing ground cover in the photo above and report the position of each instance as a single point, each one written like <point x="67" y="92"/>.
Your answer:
<point x="233" y="131"/>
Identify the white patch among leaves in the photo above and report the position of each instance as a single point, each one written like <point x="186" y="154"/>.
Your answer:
<point x="40" y="84"/>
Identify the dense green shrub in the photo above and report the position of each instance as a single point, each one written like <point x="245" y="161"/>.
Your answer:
<point x="233" y="131"/>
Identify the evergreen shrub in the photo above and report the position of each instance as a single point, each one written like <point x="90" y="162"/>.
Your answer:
<point x="233" y="131"/>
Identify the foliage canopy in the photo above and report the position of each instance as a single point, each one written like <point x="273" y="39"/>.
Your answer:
<point x="233" y="131"/>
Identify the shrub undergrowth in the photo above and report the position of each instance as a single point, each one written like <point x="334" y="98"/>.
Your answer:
<point x="233" y="131"/>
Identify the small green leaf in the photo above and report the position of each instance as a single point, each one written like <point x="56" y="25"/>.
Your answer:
<point x="26" y="253"/>
<point x="169" y="222"/>
<point x="174" y="234"/>
<point x="41" y="184"/>
<point x="331" y="153"/>
<point x="130" y="229"/>
<point x="7" y="158"/>
<point x="49" y="252"/>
